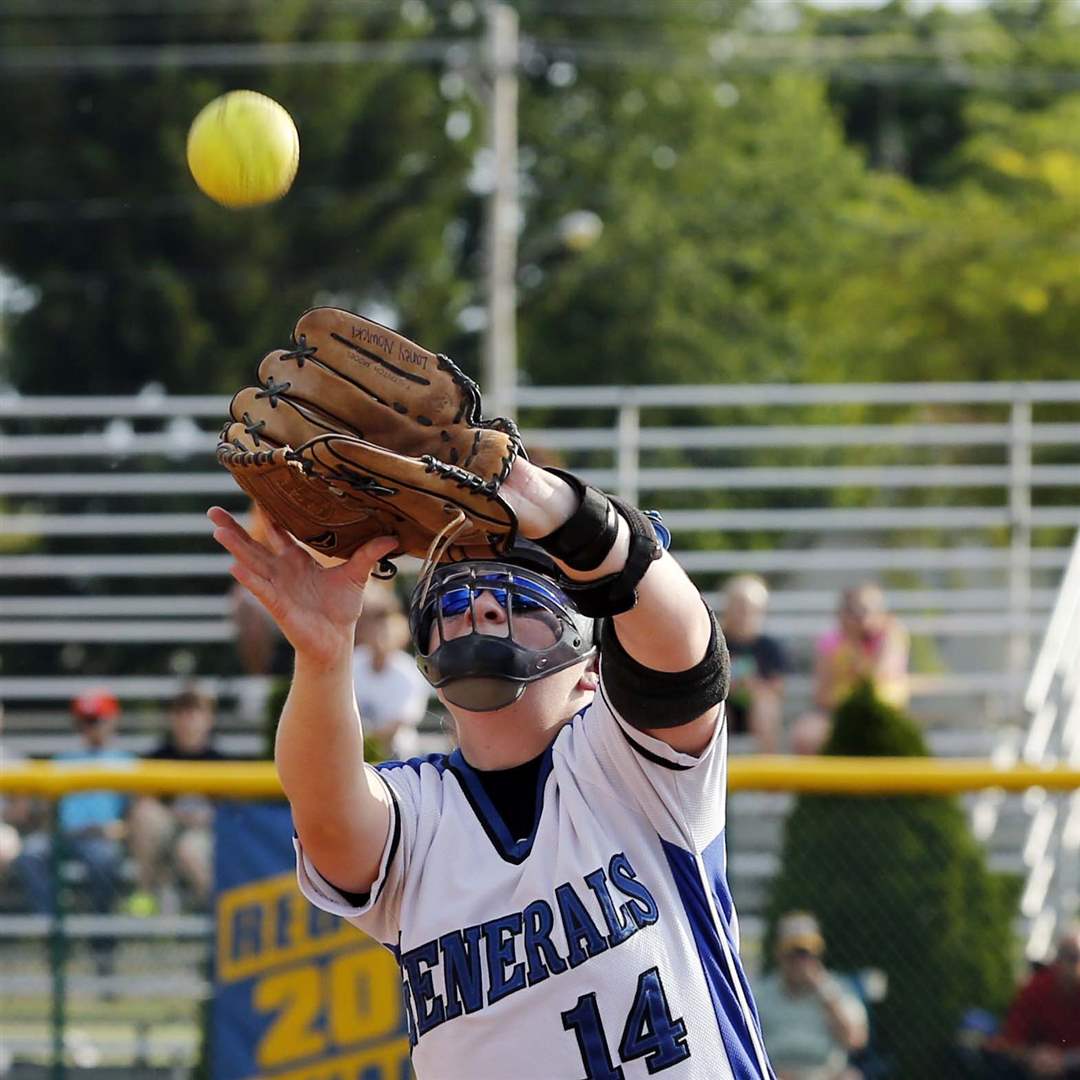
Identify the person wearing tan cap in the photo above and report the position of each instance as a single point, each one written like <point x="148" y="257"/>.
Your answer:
<point x="810" y="1020"/>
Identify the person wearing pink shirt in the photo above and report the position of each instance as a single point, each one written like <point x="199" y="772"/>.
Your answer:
<point x="868" y="643"/>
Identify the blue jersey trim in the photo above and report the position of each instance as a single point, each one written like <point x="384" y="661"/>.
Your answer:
<point x="360" y="899"/>
<point x="439" y="761"/>
<point x="648" y="755"/>
<point x="730" y="1017"/>
<point x="513" y="851"/>
<point x="714" y="858"/>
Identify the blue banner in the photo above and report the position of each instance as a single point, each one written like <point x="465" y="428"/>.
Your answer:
<point x="298" y="994"/>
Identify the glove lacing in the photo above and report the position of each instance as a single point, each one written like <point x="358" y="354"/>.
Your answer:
<point x="437" y="549"/>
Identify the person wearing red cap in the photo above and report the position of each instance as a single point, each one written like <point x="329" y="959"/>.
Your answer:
<point x="97" y="704"/>
<point x="91" y="823"/>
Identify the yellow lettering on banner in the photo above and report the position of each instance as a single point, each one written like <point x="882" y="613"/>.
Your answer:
<point x="296" y="996"/>
<point x="319" y="1008"/>
<point x="389" y="1059"/>
<point x="363" y="992"/>
<point x="268" y="923"/>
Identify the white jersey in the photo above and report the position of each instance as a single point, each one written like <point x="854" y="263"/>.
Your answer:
<point x="602" y="946"/>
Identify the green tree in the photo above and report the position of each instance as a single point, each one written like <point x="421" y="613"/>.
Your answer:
<point x="722" y="204"/>
<point x="976" y="281"/>
<point x="905" y="77"/>
<point x="140" y="277"/>
<point x="899" y="884"/>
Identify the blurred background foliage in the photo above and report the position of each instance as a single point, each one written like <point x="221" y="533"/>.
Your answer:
<point x="787" y="191"/>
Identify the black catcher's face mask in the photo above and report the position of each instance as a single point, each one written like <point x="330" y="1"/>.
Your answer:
<point x="484" y="630"/>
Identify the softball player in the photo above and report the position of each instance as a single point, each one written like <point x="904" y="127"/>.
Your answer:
<point x="554" y="890"/>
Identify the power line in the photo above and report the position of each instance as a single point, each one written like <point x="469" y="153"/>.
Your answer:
<point x="947" y="70"/>
<point x="42" y="59"/>
<point x="718" y="12"/>
<point x="880" y="59"/>
<point x="42" y="9"/>
<point x="107" y="208"/>
<point x="697" y="10"/>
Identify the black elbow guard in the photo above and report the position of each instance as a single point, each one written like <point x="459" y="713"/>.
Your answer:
<point x="663" y="699"/>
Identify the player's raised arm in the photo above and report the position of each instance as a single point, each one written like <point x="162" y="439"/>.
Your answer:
<point x="666" y="630"/>
<point x="341" y="811"/>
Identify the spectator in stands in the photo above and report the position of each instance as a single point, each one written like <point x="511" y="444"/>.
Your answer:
<point x="91" y="823"/>
<point x="15" y="810"/>
<point x="971" y="1055"/>
<point x="867" y="643"/>
<point x="758" y="664"/>
<point x="390" y="691"/>
<point x="810" y="1020"/>
<point x="1042" y="1028"/>
<point x="176" y="834"/>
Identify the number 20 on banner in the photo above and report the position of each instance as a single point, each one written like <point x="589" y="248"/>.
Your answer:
<point x="325" y="1009"/>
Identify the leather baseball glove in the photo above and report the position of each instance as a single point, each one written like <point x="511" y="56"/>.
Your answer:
<point x="357" y="432"/>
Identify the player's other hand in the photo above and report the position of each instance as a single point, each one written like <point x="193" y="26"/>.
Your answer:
<point x="1047" y="1061"/>
<point x="315" y="606"/>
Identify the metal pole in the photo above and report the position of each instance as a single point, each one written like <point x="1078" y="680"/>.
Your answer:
<point x="1019" y="548"/>
<point x="629" y="461"/>
<point x="57" y="944"/>
<point x="500" y="241"/>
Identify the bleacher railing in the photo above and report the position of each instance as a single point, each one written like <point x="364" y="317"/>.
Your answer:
<point x="1052" y="846"/>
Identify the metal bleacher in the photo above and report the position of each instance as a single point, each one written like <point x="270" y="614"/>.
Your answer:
<point x="960" y="498"/>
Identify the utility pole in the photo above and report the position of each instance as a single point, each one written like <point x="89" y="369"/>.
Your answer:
<point x="500" y="239"/>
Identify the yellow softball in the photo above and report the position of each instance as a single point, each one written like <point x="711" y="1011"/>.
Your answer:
<point x="243" y="149"/>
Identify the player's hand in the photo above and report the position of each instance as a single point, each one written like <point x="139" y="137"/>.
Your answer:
<point x="541" y="500"/>
<point x="316" y="607"/>
<point x="816" y="976"/>
<point x="1047" y="1061"/>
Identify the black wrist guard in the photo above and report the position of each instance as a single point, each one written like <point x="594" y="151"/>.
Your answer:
<point x="616" y="593"/>
<point x="584" y="540"/>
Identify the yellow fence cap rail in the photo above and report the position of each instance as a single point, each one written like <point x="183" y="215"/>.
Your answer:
<point x="824" y="775"/>
<point x="223" y="779"/>
<point x="891" y="776"/>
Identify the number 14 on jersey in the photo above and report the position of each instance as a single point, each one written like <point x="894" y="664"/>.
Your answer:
<point x="650" y="1032"/>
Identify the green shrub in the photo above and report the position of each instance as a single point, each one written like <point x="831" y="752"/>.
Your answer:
<point x="374" y="749"/>
<point x="899" y="884"/>
<point x="275" y="702"/>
